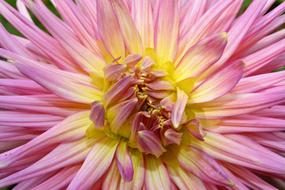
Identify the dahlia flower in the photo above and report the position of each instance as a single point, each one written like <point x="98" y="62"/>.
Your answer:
<point x="142" y="94"/>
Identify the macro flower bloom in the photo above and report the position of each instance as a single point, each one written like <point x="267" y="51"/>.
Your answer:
<point x="142" y="94"/>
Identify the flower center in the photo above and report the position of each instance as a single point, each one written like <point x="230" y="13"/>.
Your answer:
<point x="143" y="105"/>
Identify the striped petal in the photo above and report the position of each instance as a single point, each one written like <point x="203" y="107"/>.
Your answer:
<point x="54" y="160"/>
<point x="109" y="29"/>
<point x="167" y="27"/>
<point x="96" y="163"/>
<point x="139" y="173"/>
<point x="124" y="161"/>
<point x="149" y="143"/>
<point x="184" y="180"/>
<point x="128" y="28"/>
<point x="200" y="57"/>
<point x="112" y="180"/>
<point x="156" y="175"/>
<point x="71" y="86"/>
<point x="179" y="107"/>
<point x="219" y="84"/>
<point x="144" y="21"/>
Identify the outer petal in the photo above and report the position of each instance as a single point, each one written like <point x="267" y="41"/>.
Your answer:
<point x="139" y="173"/>
<point x="72" y="128"/>
<point x="184" y="180"/>
<point x="112" y="180"/>
<point x="124" y="162"/>
<point x="156" y="175"/>
<point x="219" y="84"/>
<point x="248" y="153"/>
<point x="250" y="178"/>
<point x="178" y="108"/>
<point x="167" y="28"/>
<point x="95" y="164"/>
<point x="143" y="18"/>
<point x="59" y="180"/>
<point x="200" y="57"/>
<point x="202" y="26"/>
<point x="236" y="104"/>
<point x="128" y="28"/>
<point x="241" y="27"/>
<point x="109" y="29"/>
<point x="71" y="86"/>
<point x="263" y="57"/>
<point x="56" y="159"/>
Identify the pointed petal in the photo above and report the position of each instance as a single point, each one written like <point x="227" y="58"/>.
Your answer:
<point x="263" y="57"/>
<point x="218" y="84"/>
<point x="251" y="179"/>
<point x="167" y="28"/>
<point x="143" y="18"/>
<point x="128" y="28"/>
<point x="97" y="114"/>
<point x="241" y="27"/>
<point x="56" y="159"/>
<point x="139" y="173"/>
<point x="109" y="29"/>
<point x="96" y="163"/>
<point x="259" y="82"/>
<point x="240" y="150"/>
<point x="179" y="107"/>
<point x="124" y="162"/>
<point x="200" y="57"/>
<point x="112" y="179"/>
<point x="71" y="128"/>
<point x="71" y="86"/>
<point x="172" y="136"/>
<point x="183" y="180"/>
<point x="149" y="143"/>
<point x="236" y="104"/>
<point x="201" y="27"/>
<point x="120" y="113"/>
<point x="60" y="180"/>
<point x="156" y="175"/>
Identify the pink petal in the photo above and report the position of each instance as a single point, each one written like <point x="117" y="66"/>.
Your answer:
<point x="236" y="104"/>
<point x="139" y="173"/>
<point x="241" y="27"/>
<point x="112" y="179"/>
<point x="95" y="164"/>
<point x="201" y="27"/>
<point x="97" y="114"/>
<point x="62" y="83"/>
<point x="149" y="143"/>
<point x="124" y="161"/>
<point x="200" y="57"/>
<point x="156" y="175"/>
<point x="60" y="180"/>
<point x="218" y="84"/>
<point x="263" y="57"/>
<point x="120" y="113"/>
<point x="167" y="27"/>
<point x="185" y="180"/>
<point x="143" y="18"/>
<point x="172" y="136"/>
<point x="128" y="28"/>
<point x="54" y="160"/>
<point x="71" y="128"/>
<point x="179" y="107"/>
<point x="109" y="29"/>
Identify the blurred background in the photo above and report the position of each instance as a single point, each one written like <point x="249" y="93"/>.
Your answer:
<point x="12" y="30"/>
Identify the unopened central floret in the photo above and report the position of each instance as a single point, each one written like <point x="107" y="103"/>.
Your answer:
<point x="141" y="105"/>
